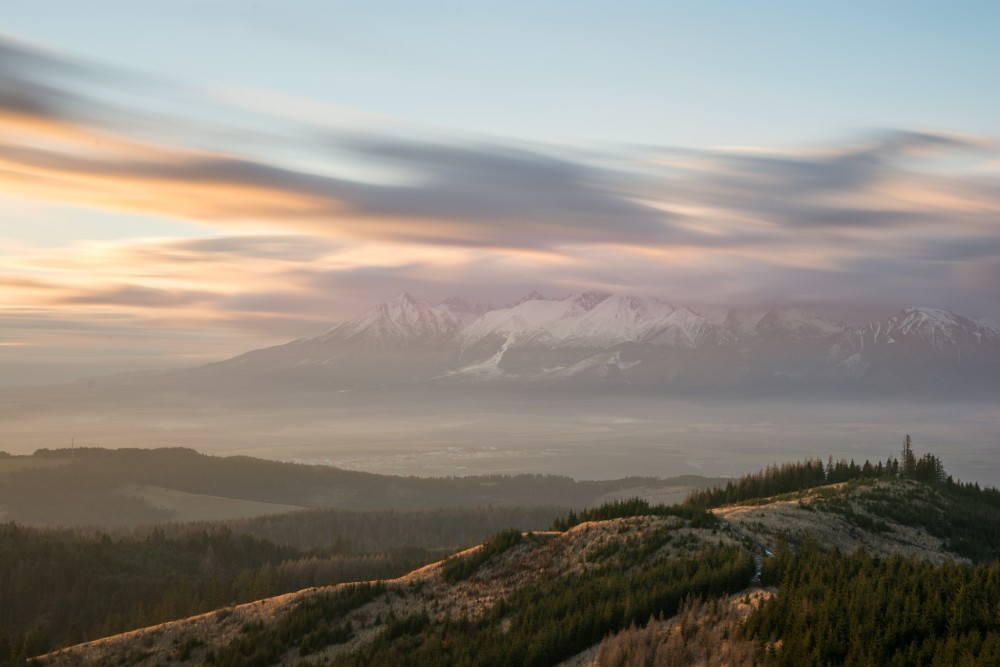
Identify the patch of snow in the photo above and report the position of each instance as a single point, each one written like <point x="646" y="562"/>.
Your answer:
<point x="489" y="367"/>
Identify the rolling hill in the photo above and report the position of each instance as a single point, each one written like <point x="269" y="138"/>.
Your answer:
<point x="103" y="487"/>
<point x="787" y="579"/>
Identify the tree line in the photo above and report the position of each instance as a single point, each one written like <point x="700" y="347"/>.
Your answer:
<point x="361" y="531"/>
<point x="776" y="480"/>
<point x="837" y="609"/>
<point x="620" y="509"/>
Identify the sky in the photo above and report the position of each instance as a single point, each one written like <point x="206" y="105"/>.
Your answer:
<point x="184" y="180"/>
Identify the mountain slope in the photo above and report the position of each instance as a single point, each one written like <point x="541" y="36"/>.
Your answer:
<point x="508" y="567"/>
<point x="928" y="350"/>
<point x="539" y="598"/>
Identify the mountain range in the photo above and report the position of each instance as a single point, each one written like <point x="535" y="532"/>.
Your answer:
<point x="595" y="341"/>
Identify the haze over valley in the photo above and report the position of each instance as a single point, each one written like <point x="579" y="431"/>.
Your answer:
<point x="591" y="385"/>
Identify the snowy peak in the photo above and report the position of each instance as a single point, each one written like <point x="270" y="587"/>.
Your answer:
<point x="532" y="318"/>
<point x="613" y="320"/>
<point x="530" y="315"/>
<point x="686" y="327"/>
<point x="940" y="329"/>
<point x="794" y="324"/>
<point x="599" y="321"/>
<point x="929" y="320"/>
<point x="587" y="300"/>
<point x="533" y="295"/>
<point x="739" y="324"/>
<point x="403" y="320"/>
<point x="593" y="319"/>
<point x="628" y="308"/>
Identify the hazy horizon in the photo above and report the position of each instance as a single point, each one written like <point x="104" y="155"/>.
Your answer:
<point x="583" y="436"/>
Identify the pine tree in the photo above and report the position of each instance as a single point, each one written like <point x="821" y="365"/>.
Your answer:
<point x="909" y="461"/>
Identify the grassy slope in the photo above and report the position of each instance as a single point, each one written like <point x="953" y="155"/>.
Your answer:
<point x="536" y="561"/>
<point x="885" y="517"/>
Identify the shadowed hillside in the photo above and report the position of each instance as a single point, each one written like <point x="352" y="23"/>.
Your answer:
<point x="102" y="487"/>
<point x="789" y="579"/>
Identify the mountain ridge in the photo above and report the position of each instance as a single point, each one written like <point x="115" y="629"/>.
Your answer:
<point x="600" y="340"/>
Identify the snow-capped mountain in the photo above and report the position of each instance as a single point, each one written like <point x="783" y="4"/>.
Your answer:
<point x="922" y="349"/>
<point x="585" y="320"/>
<point x="595" y="320"/>
<point x="599" y="341"/>
<point x="405" y="320"/>
<point x="929" y="327"/>
<point x="795" y="325"/>
<point x="532" y="317"/>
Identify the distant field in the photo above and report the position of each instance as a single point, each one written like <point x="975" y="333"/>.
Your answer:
<point x="657" y="495"/>
<point x="584" y="437"/>
<point x="199" y="507"/>
<point x="16" y="465"/>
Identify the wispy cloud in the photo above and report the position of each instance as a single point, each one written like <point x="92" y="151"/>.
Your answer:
<point x="462" y="192"/>
<point x="454" y="192"/>
<point x="315" y="220"/>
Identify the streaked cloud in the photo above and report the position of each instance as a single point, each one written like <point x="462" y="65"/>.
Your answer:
<point x="454" y="192"/>
<point x="314" y="221"/>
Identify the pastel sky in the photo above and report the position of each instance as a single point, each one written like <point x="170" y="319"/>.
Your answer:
<point x="183" y="180"/>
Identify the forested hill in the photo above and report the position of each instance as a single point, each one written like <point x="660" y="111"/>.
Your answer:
<point x="104" y="487"/>
<point x="60" y="587"/>
<point x="886" y="567"/>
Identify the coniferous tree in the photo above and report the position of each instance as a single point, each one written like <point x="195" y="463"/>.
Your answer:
<point x="909" y="461"/>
